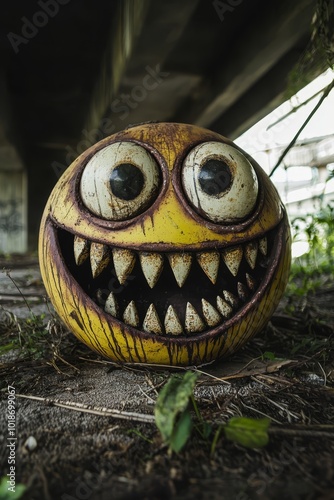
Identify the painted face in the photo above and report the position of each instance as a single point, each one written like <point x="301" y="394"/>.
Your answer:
<point x="164" y="243"/>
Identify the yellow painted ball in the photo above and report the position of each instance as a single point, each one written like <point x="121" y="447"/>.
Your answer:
<point x="166" y="244"/>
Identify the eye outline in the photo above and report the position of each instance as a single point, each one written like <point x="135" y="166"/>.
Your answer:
<point x="153" y="195"/>
<point x="218" y="227"/>
<point x="89" y="216"/>
<point x="223" y="207"/>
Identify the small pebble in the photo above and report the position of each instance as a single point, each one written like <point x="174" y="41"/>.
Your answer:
<point x="30" y="443"/>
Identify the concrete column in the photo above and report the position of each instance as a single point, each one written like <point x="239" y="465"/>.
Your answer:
<point x="13" y="187"/>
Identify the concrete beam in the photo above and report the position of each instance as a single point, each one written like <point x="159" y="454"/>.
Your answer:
<point x="258" y="101"/>
<point x="253" y="54"/>
<point x="131" y="56"/>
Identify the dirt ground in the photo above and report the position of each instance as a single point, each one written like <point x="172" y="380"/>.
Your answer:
<point x="82" y="450"/>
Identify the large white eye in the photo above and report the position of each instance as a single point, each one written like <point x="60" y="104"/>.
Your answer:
<point x="219" y="182"/>
<point x="120" y="181"/>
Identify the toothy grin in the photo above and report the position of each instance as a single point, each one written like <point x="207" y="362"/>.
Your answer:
<point x="169" y="293"/>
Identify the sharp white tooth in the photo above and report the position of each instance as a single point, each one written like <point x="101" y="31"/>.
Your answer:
<point x="223" y="307"/>
<point x="99" y="258"/>
<point x="229" y="297"/>
<point x="209" y="262"/>
<point x="152" y="322"/>
<point x="152" y="265"/>
<point x="172" y="322"/>
<point x="130" y="315"/>
<point x="124" y="261"/>
<point x="251" y="253"/>
<point x="232" y="258"/>
<point x="251" y="283"/>
<point x="211" y="315"/>
<point x="263" y="245"/>
<point x="111" y="305"/>
<point x="81" y="250"/>
<point x="180" y="264"/>
<point x="193" y="322"/>
<point x="242" y="291"/>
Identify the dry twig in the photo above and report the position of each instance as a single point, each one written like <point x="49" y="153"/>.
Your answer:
<point x="93" y="410"/>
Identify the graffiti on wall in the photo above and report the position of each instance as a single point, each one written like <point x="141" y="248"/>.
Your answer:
<point x="11" y="216"/>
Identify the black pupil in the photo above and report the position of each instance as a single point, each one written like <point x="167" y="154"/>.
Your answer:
<point x="215" y="177"/>
<point x="126" y="181"/>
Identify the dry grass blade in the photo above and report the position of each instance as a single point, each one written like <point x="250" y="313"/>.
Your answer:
<point x="104" y="412"/>
<point x="316" y="431"/>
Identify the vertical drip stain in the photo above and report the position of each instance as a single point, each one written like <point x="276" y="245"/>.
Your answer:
<point x="115" y="340"/>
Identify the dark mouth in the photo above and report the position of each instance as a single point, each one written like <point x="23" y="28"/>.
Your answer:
<point x="172" y="293"/>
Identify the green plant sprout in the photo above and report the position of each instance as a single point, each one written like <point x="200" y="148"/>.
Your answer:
<point x="172" y="414"/>
<point x="173" y="418"/>
<point x="318" y="229"/>
<point x="6" y="494"/>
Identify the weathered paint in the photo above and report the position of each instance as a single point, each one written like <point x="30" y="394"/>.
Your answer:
<point x="171" y="225"/>
<point x="234" y="202"/>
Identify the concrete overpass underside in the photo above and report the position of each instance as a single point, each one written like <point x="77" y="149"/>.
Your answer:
<point x="74" y="71"/>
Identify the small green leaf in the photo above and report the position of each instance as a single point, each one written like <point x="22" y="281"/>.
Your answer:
<point x="268" y="355"/>
<point x="249" y="432"/>
<point x="182" y="431"/>
<point x="6" y="494"/>
<point x="172" y="402"/>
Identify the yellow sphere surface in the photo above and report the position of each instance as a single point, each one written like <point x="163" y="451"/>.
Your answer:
<point x="165" y="244"/>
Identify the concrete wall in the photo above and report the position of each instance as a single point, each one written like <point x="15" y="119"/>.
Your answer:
<point x="13" y="202"/>
<point x="13" y="181"/>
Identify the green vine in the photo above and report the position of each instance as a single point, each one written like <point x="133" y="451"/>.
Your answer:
<point x="319" y="53"/>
